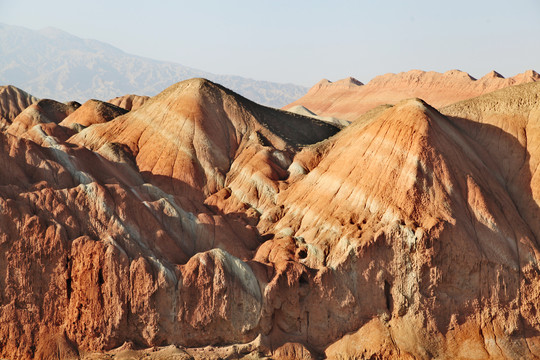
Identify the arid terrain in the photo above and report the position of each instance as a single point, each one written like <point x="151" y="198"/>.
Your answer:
<point x="346" y="99"/>
<point x="197" y="224"/>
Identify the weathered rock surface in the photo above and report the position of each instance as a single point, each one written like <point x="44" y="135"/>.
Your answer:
<point x="348" y="98"/>
<point x="129" y="102"/>
<point x="42" y="118"/>
<point x="202" y="225"/>
<point x="12" y="102"/>
<point x="92" y="112"/>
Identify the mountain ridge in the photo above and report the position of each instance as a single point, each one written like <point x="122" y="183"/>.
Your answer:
<point x="51" y="63"/>
<point x="349" y="101"/>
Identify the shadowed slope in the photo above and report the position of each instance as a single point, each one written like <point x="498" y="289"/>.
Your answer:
<point x="506" y="124"/>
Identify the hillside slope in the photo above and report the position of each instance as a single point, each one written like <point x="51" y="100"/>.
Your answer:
<point x="203" y="225"/>
<point x="348" y="98"/>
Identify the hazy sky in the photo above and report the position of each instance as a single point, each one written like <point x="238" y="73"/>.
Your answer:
<point x="303" y="41"/>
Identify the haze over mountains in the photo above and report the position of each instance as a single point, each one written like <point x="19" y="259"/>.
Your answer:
<point x="50" y="63"/>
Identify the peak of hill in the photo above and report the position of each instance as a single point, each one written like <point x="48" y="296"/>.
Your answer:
<point x="492" y="75"/>
<point x="45" y="111"/>
<point x="129" y="102"/>
<point x="348" y="82"/>
<point x="438" y="89"/>
<point x="198" y="119"/>
<point x="51" y="63"/>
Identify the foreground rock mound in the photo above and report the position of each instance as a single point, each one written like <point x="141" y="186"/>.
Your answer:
<point x="202" y="225"/>
<point x="347" y="99"/>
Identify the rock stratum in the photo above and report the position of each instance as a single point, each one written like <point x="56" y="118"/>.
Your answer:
<point x="200" y="225"/>
<point x="347" y="98"/>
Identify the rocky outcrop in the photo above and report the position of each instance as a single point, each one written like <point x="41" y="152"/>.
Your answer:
<point x="348" y="99"/>
<point x="204" y="225"/>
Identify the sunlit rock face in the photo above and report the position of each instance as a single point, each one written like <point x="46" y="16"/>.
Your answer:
<point x="202" y="225"/>
<point x="347" y="99"/>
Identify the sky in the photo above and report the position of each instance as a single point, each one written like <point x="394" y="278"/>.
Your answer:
<point x="301" y="42"/>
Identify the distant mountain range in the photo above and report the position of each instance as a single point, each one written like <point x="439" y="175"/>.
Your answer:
<point x="51" y="63"/>
<point x="348" y="98"/>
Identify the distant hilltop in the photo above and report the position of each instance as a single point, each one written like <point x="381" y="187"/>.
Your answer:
<point x="348" y="98"/>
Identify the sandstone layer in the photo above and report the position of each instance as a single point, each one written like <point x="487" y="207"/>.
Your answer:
<point x="348" y="98"/>
<point x="202" y="225"/>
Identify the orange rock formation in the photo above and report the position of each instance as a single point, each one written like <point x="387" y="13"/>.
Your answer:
<point x="347" y="99"/>
<point x="129" y="102"/>
<point x="204" y="225"/>
<point x="12" y="101"/>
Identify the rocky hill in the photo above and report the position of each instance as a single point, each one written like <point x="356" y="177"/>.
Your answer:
<point x="203" y="225"/>
<point x="348" y="98"/>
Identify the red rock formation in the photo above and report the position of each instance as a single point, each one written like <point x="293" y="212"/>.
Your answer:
<point x="12" y="102"/>
<point x="202" y="223"/>
<point x="347" y="99"/>
<point x="92" y="112"/>
<point x="42" y="118"/>
<point x="129" y="102"/>
<point x="194" y="133"/>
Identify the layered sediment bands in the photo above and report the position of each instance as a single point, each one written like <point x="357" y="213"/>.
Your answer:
<point x="348" y="98"/>
<point x="194" y="131"/>
<point x="404" y="194"/>
<point x="12" y="102"/>
<point x="202" y="224"/>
